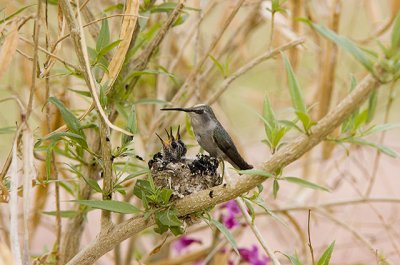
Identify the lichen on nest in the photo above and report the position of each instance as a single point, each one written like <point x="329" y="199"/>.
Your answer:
<point x="171" y="169"/>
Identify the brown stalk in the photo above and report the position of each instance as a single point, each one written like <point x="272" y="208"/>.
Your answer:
<point x="201" y="200"/>
<point x="295" y="26"/>
<point x="327" y="81"/>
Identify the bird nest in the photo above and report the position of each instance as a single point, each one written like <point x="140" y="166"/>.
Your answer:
<point x="171" y="169"/>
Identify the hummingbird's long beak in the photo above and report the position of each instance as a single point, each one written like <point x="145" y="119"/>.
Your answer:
<point x="179" y="109"/>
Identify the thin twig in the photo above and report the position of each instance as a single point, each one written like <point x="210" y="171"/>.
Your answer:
<point x="381" y="139"/>
<point x="35" y="58"/>
<point x="250" y="65"/>
<point x="256" y="232"/>
<point x="76" y="68"/>
<point x="309" y="237"/>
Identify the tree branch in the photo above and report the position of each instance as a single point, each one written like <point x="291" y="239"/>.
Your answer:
<point x="200" y="201"/>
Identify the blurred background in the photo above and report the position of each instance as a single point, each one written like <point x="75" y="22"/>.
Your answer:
<point x="207" y="56"/>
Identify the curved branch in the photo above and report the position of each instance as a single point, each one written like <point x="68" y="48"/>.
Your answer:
<point x="200" y="201"/>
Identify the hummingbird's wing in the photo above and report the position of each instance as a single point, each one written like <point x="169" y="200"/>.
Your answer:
<point x="226" y="145"/>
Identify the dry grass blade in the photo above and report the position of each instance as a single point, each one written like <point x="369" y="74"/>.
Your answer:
<point x="8" y="49"/>
<point x="13" y="205"/>
<point x="27" y="191"/>
<point x="128" y="26"/>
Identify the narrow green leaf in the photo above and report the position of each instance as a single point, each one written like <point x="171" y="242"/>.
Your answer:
<point x="395" y="38"/>
<point x="305" y="120"/>
<point x="305" y="183"/>
<point x="55" y="136"/>
<point x="165" y="195"/>
<point x="326" y="257"/>
<point x="382" y="148"/>
<point x="63" y="214"/>
<point x="381" y="128"/>
<point x="294" y="88"/>
<point x="250" y="208"/>
<point x="275" y="188"/>
<point x="113" y="206"/>
<point x="70" y="120"/>
<point x="7" y="130"/>
<point x="108" y="48"/>
<point x="15" y="13"/>
<point x="218" y="65"/>
<point x="294" y="260"/>
<point x="258" y="172"/>
<point x="136" y="174"/>
<point x="269" y="116"/>
<point x="92" y="183"/>
<point x="104" y="36"/>
<point x="372" y="105"/>
<point x="168" y="217"/>
<point x="81" y="92"/>
<point x="188" y="126"/>
<point x="346" y="44"/>
<point x="226" y="233"/>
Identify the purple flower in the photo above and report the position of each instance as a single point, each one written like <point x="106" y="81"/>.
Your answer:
<point x="251" y="256"/>
<point x="232" y="211"/>
<point x="232" y="207"/>
<point x="183" y="242"/>
<point x="229" y="220"/>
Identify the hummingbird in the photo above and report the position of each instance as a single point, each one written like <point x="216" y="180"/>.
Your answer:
<point x="173" y="148"/>
<point x="212" y="137"/>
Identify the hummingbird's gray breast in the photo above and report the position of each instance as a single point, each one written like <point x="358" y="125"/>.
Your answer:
<point x="204" y="137"/>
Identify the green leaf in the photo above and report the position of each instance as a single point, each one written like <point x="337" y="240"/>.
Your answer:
<point x="381" y="128"/>
<point x="395" y="38"/>
<point x="92" y="183"/>
<point x="382" y="148"/>
<point x="305" y="183"/>
<point x="305" y="120"/>
<point x="226" y="233"/>
<point x="81" y="92"/>
<point x="294" y="260"/>
<point x="15" y="13"/>
<point x="346" y="44"/>
<point x="135" y="174"/>
<point x="55" y="136"/>
<point x="108" y="48"/>
<point x="294" y="88"/>
<point x="49" y="159"/>
<point x="372" y="105"/>
<point x="218" y="65"/>
<point x="143" y="186"/>
<point x="257" y="172"/>
<point x="113" y="206"/>
<point x="104" y="36"/>
<point x="63" y="214"/>
<point x="168" y="217"/>
<point x="326" y="257"/>
<point x="165" y="195"/>
<point x="188" y="126"/>
<point x="70" y="120"/>
<point x="269" y="117"/>
<point x="275" y="188"/>
<point x="7" y="130"/>
<point x="250" y="208"/>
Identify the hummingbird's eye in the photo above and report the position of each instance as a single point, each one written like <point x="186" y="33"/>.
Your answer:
<point x="200" y="111"/>
<point x="174" y="145"/>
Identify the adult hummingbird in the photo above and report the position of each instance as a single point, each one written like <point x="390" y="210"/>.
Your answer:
<point x="212" y="137"/>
